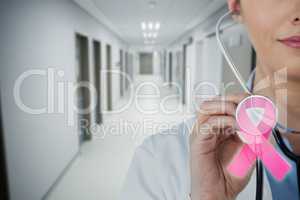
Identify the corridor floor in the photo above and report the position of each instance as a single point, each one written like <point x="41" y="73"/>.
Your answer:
<point x="99" y="170"/>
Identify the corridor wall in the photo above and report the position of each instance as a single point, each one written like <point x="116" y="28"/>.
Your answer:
<point x="205" y="62"/>
<point x="40" y="35"/>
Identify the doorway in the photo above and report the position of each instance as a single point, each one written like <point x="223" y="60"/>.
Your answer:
<point x="4" y="191"/>
<point x="146" y="63"/>
<point x="121" y="74"/>
<point x="170" y="68"/>
<point x="126" y="70"/>
<point x="109" y="77"/>
<point x="165" y="67"/>
<point x="97" y="74"/>
<point x="83" y="93"/>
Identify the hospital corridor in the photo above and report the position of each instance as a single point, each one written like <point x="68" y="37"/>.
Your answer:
<point x="98" y="170"/>
<point x="85" y="82"/>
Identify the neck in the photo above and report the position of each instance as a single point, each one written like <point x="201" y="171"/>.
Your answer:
<point x="284" y="92"/>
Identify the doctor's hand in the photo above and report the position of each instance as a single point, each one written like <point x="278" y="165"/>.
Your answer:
<point x="213" y="144"/>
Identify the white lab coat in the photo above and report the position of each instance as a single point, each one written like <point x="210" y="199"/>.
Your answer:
<point x="160" y="169"/>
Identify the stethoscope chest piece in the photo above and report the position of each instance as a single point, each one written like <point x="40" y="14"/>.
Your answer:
<point x="256" y="117"/>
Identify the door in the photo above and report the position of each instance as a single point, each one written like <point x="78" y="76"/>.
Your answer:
<point x="199" y="61"/>
<point x="241" y="52"/>
<point x="146" y="63"/>
<point x="97" y="74"/>
<point x="83" y="93"/>
<point x="196" y="76"/>
<point x="184" y="74"/>
<point x="177" y="70"/>
<point x="165" y="66"/>
<point x="109" y="77"/>
<point x="130" y="66"/>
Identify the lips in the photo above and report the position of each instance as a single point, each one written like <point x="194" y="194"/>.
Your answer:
<point x="293" y="42"/>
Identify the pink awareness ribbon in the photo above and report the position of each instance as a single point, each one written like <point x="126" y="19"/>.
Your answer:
<point x="255" y="137"/>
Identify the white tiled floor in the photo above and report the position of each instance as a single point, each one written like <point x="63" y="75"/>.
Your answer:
<point x="100" y="169"/>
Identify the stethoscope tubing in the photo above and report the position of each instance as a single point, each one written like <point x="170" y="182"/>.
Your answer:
<point x="291" y="155"/>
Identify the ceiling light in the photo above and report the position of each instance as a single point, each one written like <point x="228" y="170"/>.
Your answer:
<point x="145" y="35"/>
<point x="155" y="35"/>
<point x="150" y="25"/>
<point x="157" y="26"/>
<point x="150" y="35"/>
<point x="144" y="26"/>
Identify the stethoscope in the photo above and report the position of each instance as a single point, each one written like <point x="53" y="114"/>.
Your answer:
<point x="275" y="132"/>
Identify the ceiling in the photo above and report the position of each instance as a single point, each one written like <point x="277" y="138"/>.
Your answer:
<point x="176" y="17"/>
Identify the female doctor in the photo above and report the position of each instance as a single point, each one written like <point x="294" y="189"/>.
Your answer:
<point x="190" y="161"/>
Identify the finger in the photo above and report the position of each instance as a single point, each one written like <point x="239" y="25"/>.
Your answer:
<point x="218" y="108"/>
<point x="205" y="137"/>
<point x="218" y="123"/>
<point x="236" y="98"/>
<point x="212" y="127"/>
<point x="232" y="99"/>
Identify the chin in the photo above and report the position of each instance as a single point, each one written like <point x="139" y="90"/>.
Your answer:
<point x="288" y="63"/>
<point x="293" y="72"/>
